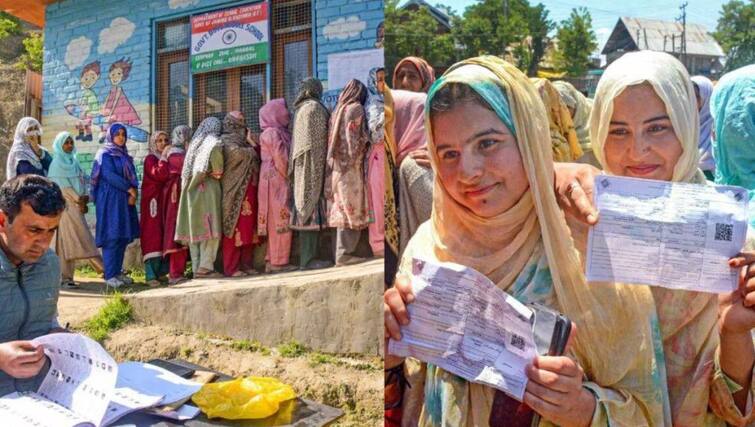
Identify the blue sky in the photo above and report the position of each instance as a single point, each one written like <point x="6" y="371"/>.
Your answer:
<point x="605" y="14"/>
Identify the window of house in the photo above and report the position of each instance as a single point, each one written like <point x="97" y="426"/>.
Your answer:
<point x="183" y="98"/>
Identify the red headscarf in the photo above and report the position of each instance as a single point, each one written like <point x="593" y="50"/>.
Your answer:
<point x="426" y="72"/>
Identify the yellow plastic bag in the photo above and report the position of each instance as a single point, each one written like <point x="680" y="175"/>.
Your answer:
<point x="243" y="398"/>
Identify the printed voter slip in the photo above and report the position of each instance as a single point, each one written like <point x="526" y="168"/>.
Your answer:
<point x="464" y="324"/>
<point x="669" y="234"/>
<point x="85" y="387"/>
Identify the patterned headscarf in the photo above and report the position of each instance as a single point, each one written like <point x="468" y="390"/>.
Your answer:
<point x="205" y="139"/>
<point x="563" y="136"/>
<point x="241" y="164"/>
<point x="179" y="139"/>
<point x="582" y="107"/>
<point x="309" y="88"/>
<point x="353" y="92"/>
<point x="152" y="146"/>
<point x="426" y="72"/>
<point x="705" y="145"/>
<point x="21" y="150"/>
<point x="374" y="108"/>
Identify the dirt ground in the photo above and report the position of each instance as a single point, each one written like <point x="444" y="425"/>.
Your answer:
<point x="351" y="383"/>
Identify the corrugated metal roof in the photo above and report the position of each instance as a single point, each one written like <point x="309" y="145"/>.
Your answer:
<point x="648" y="34"/>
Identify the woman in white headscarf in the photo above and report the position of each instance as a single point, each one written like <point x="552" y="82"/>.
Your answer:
<point x="644" y="124"/>
<point x="27" y="156"/>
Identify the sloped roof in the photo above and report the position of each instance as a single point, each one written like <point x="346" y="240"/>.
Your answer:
<point x="32" y="11"/>
<point x="648" y="34"/>
<point x="439" y="14"/>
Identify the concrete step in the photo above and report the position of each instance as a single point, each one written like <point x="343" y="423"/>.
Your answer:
<point x="334" y="310"/>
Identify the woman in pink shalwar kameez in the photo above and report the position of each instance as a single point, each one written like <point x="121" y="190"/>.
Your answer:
<point x="374" y="108"/>
<point x="274" y="214"/>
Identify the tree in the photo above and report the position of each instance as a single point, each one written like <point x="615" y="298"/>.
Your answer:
<point x="539" y="26"/>
<point x="490" y="26"/>
<point x="576" y="42"/>
<point x="9" y="25"/>
<point x="735" y="32"/>
<point x="415" y="34"/>
<point x="32" y="58"/>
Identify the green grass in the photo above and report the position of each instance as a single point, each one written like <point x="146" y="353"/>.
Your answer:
<point x="114" y="314"/>
<point x="291" y="349"/>
<point x="87" y="271"/>
<point x="137" y="275"/>
<point x="246" y="345"/>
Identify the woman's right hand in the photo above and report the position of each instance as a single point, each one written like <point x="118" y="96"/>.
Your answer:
<point x="132" y="192"/>
<point x="395" y="301"/>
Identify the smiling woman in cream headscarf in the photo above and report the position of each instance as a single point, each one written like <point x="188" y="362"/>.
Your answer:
<point x="526" y="251"/>
<point x="631" y="136"/>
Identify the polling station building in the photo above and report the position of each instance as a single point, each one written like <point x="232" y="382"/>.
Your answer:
<point x="157" y="64"/>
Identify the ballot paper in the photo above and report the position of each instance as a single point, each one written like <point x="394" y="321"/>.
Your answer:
<point x="674" y="235"/>
<point x="463" y="323"/>
<point x="85" y="387"/>
<point x="142" y="385"/>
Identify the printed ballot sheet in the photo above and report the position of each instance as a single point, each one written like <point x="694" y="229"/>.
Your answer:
<point x="82" y="374"/>
<point x="31" y="409"/>
<point x="142" y="385"/>
<point x="463" y="323"/>
<point x="85" y="387"/>
<point x="674" y="235"/>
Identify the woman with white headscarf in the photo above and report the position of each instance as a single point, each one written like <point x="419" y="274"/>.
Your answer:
<point x="644" y="124"/>
<point x="199" y="208"/>
<point x="27" y="156"/>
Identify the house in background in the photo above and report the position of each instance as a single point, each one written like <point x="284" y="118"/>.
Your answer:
<point x="703" y="54"/>
<point x="444" y="20"/>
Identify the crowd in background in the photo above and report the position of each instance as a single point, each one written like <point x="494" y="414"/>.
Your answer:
<point x="214" y="194"/>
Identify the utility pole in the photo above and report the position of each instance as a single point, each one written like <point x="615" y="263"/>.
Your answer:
<point x="683" y="44"/>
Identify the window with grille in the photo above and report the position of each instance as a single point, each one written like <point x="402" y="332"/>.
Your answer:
<point x="183" y="98"/>
<point x="172" y="75"/>
<point x="292" y="47"/>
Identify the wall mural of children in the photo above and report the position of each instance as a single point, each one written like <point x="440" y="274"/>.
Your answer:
<point x="88" y="102"/>
<point x="117" y="106"/>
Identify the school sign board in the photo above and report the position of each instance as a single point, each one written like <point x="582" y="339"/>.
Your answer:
<point x="230" y="38"/>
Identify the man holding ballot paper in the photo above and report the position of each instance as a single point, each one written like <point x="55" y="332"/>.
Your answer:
<point x="663" y="332"/>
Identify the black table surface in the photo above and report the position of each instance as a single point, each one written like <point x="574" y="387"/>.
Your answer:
<point x="296" y="412"/>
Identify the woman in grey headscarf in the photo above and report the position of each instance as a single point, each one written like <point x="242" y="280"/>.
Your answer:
<point x="26" y="155"/>
<point x="176" y="253"/>
<point x="306" y="171"/>
<point x="199" y="221"/>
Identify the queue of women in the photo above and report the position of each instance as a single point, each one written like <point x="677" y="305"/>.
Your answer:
<point x="213" y="195"/>
<point x="475" y="177"/>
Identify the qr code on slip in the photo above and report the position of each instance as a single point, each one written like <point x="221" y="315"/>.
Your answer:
<point x="517" y="342"/>
<point x="723" y="232"/>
